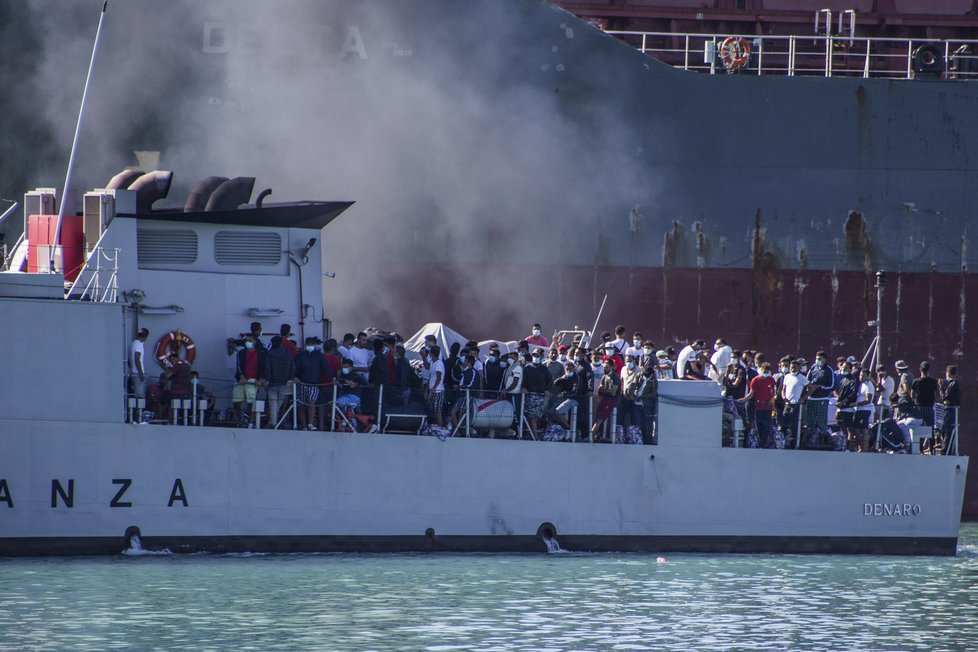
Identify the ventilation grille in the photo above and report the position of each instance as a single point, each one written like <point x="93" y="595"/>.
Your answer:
<point x="165" y="247"/>
<point x="247" y="248"/>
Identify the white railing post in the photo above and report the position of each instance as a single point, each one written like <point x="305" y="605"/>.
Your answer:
<point x="798" y="427"/>
<point x="866" y="65"/>
<point x="380" y="405"/>
<point x="295" y="406"/>
<point x="193" y="396"/>
<point x="713" y="58"/>
<point x="954" y="446"/>
<point x="828" y="56"/>
<point x="573" y="423"/>
<point x="468" y="412"/>
<point x="175" y="404"/>
<point x="760" y="55"/>
<point x="519" y="428"/>
<point x="686" y="54"/>
<point x="590" y="419"/>
<point x="909" y="58"/>
<point x="614" y="425"/>
<point x="643" y="43"/>
<point x="791" y="56"/>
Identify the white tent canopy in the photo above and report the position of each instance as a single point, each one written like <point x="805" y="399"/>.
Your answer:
<point x="445" y="337"/>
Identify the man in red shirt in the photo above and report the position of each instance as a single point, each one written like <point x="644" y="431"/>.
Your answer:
<point x="761" y="389"/>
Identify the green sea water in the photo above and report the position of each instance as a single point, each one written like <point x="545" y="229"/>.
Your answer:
<point x="570" y="601"/>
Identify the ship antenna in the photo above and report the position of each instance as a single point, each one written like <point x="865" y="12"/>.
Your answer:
<point x="74" y="141"/>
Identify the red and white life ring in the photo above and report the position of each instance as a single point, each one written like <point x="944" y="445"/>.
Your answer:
<point x="734" y="53"/>
<point x="173" y="341"/>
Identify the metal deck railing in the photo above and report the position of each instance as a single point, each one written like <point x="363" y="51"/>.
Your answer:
<point x="817" y="55"/>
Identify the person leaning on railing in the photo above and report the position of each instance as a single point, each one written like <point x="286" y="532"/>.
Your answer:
<point x="310" y="366"/>
<point x="278" y="374"/>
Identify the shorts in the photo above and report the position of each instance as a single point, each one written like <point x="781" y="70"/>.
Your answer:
<point x="533" y="405"/>
<point x="861" y="419"/>
<point x="845" y="418"/>
<point x="247" y="392"/>
<point x="565" y="406"/>
<point x="308" y="394"/>
<point x="435" y="402"/>
<point x="351" y="400"/>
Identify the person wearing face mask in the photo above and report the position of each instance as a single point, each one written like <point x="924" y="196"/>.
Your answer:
<point x="468" y="380"/>
<point x="617" y="360"/>
<point x="279" y="370"/>
<point x="635" y="347"/>
<point x="795" y="388"/>
<point x="493" y="370"/>
<point x="648" y="398"/>
<point x="377" y="374"/>
<point x="349" y="389"/>
<point x="822" y="382"/>
<point x="631" y="407"/>
<point x="553" y="364"/>
<point x="648" y="354"/>
<point x="536" y="337"/>
<point x="722" y="354"/>
<point x="536" y="383"/>
<point x="761" y="390"/>
<point x="664" y="369"/>
<point x="250" y="363"/>
<point x="562" y="354"/>
<point x="609" y="390"/>
<point x="583" y="368"/>
<point x="310" y="366"/>
<point x="597" y="371"/>
<point x="783" y="370"/>
<point x="568" y="389"/>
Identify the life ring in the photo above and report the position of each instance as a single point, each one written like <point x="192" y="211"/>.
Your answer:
<point x="734" y="53"/>
<point x="172" y="341"/>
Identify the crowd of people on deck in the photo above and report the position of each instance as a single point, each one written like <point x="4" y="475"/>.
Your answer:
<point x="609" y="385"/>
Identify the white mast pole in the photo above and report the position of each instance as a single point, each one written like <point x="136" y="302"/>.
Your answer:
<point x="74" y="141"/>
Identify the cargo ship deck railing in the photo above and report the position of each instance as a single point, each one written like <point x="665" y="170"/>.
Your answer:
<point x="816" y="55"/>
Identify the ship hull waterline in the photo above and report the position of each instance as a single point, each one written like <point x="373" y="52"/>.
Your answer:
<point x="230" y="490"/>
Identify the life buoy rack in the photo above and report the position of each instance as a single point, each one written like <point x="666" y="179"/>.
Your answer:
<point x="734" y="53"/>
<point x="173" y="341"/>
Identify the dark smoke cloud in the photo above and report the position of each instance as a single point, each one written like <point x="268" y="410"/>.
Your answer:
<point x="451" y="124"/>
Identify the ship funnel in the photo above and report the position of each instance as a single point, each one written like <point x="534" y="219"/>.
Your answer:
<point x="151" y="187"/>
<point x="201" y="192"/>
<point x="124" y="179"/>
<point x="231" y="194"/>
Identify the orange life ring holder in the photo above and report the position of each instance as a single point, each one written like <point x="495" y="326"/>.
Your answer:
<point x="734" y="53"/>
<point x="173" y="341"/>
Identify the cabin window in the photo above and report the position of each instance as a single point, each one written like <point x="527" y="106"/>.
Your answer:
<point x="247" y="248"/>
<point x="156" y="247"/>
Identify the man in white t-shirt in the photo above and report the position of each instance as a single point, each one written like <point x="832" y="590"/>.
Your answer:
<point x="361" y="354"/>
<point x="635" y="349"/>
<point x="137" y="364"/>
<point x="793" y="391"/>
<point x="688" y="353"/>
<point x="435" y="387"/>
<point x="864" y="410"/>
<point x="885" y="386"/>
<point x="720" y="360"/>
<point x="619" y="342"/>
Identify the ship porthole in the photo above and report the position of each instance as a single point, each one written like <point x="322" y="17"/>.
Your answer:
<point x="546" y="531"/>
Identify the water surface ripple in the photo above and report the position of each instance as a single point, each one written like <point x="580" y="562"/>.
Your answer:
<point x="492" y="602"/>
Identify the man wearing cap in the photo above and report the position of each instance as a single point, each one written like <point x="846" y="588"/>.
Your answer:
<point x="904" y="381"/>
<point x="536" y="337"/>
<point x="663" y="366"/>
<point x="617" y="360"/>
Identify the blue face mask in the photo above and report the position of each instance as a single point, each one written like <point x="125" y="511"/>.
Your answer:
<point x="346" y="371"/>
<point x="249" y="345"/>
<point x="503" y="363"/>
<point x="310" y="348"/>
<point x="537" y="360"/>
<point x="570" y="374"/>
<point x="492" y="358"/>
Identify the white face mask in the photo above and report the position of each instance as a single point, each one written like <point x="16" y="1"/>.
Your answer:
<point x="536" y="332"/>
<point x="249" y="345"/>
<point x="636" y="343"/>
<point x="647" y="351"/>
<point x="537" y="360"/>
<point x="563" y="358"/>
<point x="569" y="374"/>
<point x="504" y="363"/>
<point x="765" y="374"/>
<point x="492" y="358"/>
<point x="310" y="348"/>
<point x="784" y="370"/>
<point x="804" y="368"/>
<point x="631" y="365"/>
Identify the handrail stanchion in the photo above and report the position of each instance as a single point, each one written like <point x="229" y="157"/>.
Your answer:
<point x="828" y="56"/>
<point x="953" y="448"/>
<point x="613" y="425"/>
<point x="573" y="423"/>
<point x="909" y="58"/>
<point x="713" y="59"/>
<point x="791" y="56"/>
<point x="193" y="397"/>
<point x="468" y="412"/>
<point x="175" y="404"/>
<point x="643" y="43"/>
<point x="295" y="407"/>
<point x="798" y="427"/>
<point x="590" y="419"/>
<point x="380" y="405"/>
<point x="519" y="428"/>
<point x="760" y="55"/>
<point x="686" y="54"/>
<point x="866" y="65"/>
